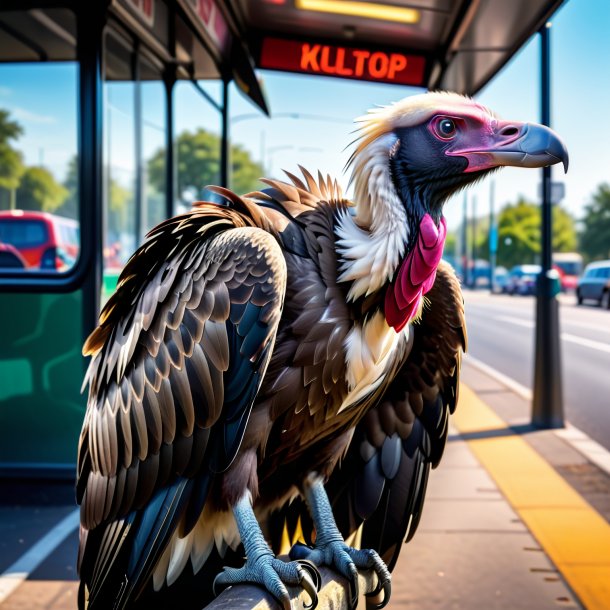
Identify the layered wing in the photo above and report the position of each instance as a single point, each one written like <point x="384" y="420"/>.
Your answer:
<point x="178" y="358"/>
<point x="382" y="481"/>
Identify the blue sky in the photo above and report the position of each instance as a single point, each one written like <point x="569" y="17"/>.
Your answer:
<point x="42" y="98"/>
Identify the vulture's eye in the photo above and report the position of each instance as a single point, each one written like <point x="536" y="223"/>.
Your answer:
<point x="445" y="128"/>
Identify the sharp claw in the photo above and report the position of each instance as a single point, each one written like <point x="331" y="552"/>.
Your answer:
<point x="220" y="580"/>
<point x="354" y="589"/>
<point x="313" y="572"/>
<point x="311" y="590"/>
<point x="284" y="600"/>
<point x="387" y="592"/>
<point x="386" y="585"/>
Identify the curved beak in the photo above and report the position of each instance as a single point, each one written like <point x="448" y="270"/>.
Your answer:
<point x="516" y="144"/>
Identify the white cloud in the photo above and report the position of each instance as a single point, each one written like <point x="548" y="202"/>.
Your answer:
<point x="22" y="114"/>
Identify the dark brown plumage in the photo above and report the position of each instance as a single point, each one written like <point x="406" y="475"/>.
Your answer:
<point x="257" y="348"/>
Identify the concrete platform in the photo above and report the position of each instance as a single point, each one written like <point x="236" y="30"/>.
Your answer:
<point x="472" y="551"/>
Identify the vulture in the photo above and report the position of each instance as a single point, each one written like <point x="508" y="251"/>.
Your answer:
<point x="275" y="372"/>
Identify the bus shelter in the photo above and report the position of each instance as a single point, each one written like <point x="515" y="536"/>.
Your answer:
<point x="115" y="68"/>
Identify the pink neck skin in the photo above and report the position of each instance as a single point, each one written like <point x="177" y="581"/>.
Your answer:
<point x="416" y="274"/>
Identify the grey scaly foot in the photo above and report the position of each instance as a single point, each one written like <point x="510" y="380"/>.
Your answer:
<point x="331" y="550"/>
<point x="262" y="567"/>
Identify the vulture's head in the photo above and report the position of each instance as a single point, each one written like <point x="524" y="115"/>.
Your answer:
<point x="410" y="158"/>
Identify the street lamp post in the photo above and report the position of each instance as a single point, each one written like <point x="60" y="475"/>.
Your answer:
<point x="465" y="278"/>
<point x="493" y="237"/>
<point x="547" y="407"/>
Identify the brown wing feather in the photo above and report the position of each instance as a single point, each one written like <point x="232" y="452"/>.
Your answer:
<point x="157" y="376"/>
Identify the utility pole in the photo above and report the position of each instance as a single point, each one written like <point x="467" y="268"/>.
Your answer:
<point x="465" y="241"/>
<point x="547" y="407"/>
<point x="473" y="276"/>
<point x="224" y="142"/>
<point x="493" y="235"/>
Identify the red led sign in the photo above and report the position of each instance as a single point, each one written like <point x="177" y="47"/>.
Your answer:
<point x="345" y="62"/>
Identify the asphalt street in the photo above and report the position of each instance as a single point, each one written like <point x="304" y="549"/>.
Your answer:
<point x="501" y="334"/>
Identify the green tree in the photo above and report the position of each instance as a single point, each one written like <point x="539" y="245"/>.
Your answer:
<point x="120" y="203"/>
<point x="11" y="160"/>
<point x="69" y="208"/>
<point x="40" y="191"/>
<point x="198" y="159"/>
<point x="9" y="130"/>
<point x="245" y="173"/>
<point x="519" y="233"/>
<point x="595" y="235"/>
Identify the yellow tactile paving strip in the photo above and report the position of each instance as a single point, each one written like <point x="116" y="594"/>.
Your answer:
<point x="572" y="533"/>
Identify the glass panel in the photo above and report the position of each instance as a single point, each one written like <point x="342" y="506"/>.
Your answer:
<point x="120" y="238"/>
<point x="39" y="211"/>
<point x="198" y="128"/>
<point x="153" y="153"/>
<point x="120" y="234"/>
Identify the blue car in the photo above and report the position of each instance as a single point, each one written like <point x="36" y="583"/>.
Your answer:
<point x="594" y="284"/>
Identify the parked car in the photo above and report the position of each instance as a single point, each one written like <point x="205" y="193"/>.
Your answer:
<point x="595" y="284"/>
<point x="10" y="258"/>
<point x="569" y="266"/>
<point x="500" y="279"/>
<point x="45" y="241"/>
<point x="522" y="279"/>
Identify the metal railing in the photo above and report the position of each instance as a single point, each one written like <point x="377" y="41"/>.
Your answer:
<point x="333" y="595"/>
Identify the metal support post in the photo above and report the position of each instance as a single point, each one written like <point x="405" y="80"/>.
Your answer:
<point x="89" y="51"/>
<point x="465" y="241"/>
<point x="169" y="79"/>
<point x="547" y="407"/>
<point x="493" y="236"/>
<point x="141" y="216"/>
<point x="473" y="275"/>
<point x="224" y="144"/>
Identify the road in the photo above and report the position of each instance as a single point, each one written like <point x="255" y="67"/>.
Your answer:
<point x="501" y="334"/>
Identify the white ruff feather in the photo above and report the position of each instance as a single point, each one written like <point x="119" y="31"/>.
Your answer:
<point x="370" y="352"/>
<point x="373" y="243"/>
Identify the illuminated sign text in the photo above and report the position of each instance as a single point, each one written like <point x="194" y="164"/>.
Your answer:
<point x="345" y="62"/>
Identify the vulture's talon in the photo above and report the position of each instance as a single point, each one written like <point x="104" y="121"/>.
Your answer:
<point x="384" y="578"/>
<point x="382" y="585"/>
<point x="311" y="589"/>
<point x="273" y="575"/>
<point x="311" y="573"/>
<point x="347" y="560"/>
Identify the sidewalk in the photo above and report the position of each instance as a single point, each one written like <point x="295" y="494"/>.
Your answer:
<point x="509" y="521"/>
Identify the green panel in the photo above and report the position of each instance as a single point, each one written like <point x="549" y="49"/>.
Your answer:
<point x="41" y="372"/>
<point x="111" y="278"/>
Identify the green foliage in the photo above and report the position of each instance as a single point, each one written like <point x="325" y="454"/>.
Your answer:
<point x="40" y="191"/>
<point x="519" y="233"/>
<point x="198" y="159"/>
<point x="69" y="208"/>
<point x="245" y="173"/>
<point x="9" y="130"/>
<point x="120" y="204"/>
<point x="595" y="236"/>
<point x="11" y="160"/>
<point x="11" y="167"/>
<point x="451" y="241"/>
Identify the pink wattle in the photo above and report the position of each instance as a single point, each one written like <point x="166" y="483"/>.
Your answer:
<point x="416" y="274"/>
